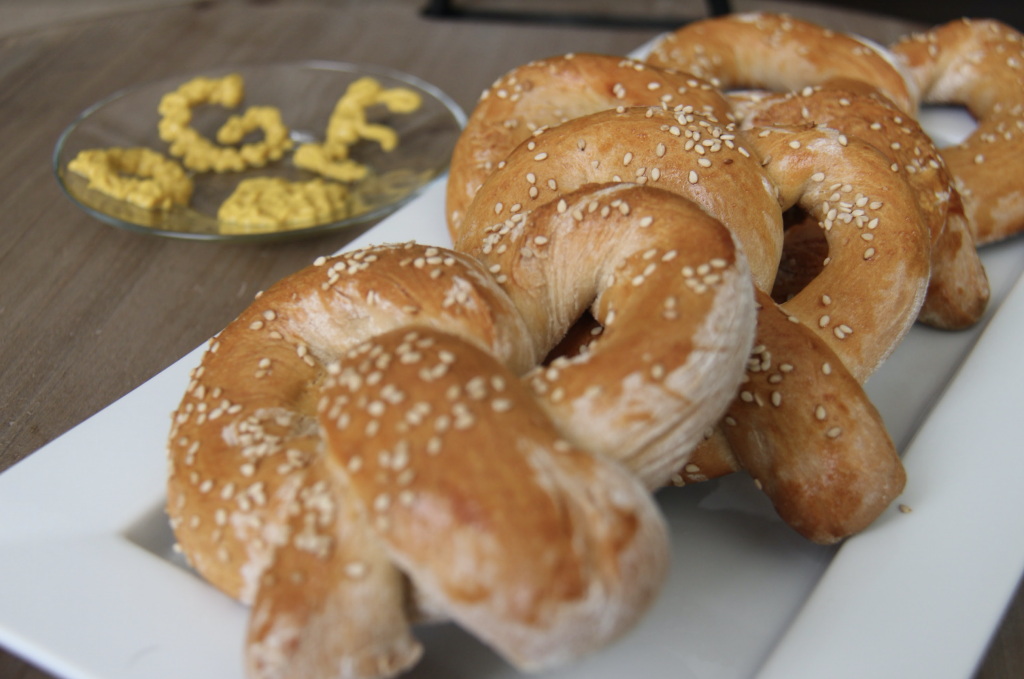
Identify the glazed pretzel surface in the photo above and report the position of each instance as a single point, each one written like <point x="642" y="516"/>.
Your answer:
<point x="779" y="53"/>
<point x="980" y="64"/>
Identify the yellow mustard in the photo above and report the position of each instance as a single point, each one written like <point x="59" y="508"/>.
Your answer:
<point x="138" y="175"/>
<point x="201" y="154"/>
<point x="348" y="125"/>
<point x="268" y="204"/>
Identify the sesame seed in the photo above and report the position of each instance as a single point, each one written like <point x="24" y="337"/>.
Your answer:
<point x="540" y="156"/>
<point x="794" y="144"/>
<point x="820" y="414"/>
<point x="693" y="177"/>
<point x="834" y="432"/>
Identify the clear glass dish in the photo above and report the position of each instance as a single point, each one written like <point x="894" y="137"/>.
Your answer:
<point x="305" y="93"/>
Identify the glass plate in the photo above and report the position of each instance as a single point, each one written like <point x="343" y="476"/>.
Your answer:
<point x="306" y="93"/>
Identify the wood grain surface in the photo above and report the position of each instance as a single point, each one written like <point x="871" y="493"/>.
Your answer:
<point x="88" y="312"/>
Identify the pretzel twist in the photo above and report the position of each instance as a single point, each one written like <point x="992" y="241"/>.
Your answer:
<point x="958" y="290"/>
<point x="362" y="422"/>
<point x="779" y="53"/>
<point x="819" y="168"/>
<point x="980" y="64"/>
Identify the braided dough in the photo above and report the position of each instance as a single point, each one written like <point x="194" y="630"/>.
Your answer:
<point x="978" y="63"/>
<point x="779" y="53"/>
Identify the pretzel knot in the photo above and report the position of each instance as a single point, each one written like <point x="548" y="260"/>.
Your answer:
<point x="358" y="451"/>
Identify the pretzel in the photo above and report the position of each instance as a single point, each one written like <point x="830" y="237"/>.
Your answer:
<point x="803" y="165"/>
<point x="355" y="451"/>
<point x="980" y="64"/>
<point x="546" y="93"/>
<point x="777" y="52"/>
<point x="958" y="290"/>
<point x="565" y="255"/>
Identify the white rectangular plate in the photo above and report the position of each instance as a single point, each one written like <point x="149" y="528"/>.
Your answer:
<point x="91" y="589"/>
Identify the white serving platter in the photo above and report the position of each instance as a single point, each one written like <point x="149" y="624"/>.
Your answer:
<point x="91" y="589"/>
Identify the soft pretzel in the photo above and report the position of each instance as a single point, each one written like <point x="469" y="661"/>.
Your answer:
<point x="958" y="290"/>
<point x="803" y="165"/>
<point x="980" y="64"/>
<point x="548" y="92"/>
<point x="678" y="300"/>
<point x="361" y="425"/>
<point x="777" y="52"/>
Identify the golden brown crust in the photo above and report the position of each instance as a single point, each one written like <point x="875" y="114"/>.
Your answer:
<point x="465" y="481"/>
<point x="875" y="277"/>
<point x="803" y="427"/>
<point x="958" y="291"/>
<point x="980" y="64"/>
<point x="778" y="53"/>
<point x="249" y="502"/>
<point x="384" y="358"/>
<point x="693" y="154"/>
<point x="549" y="92"/>
<point x="674" y="298"/>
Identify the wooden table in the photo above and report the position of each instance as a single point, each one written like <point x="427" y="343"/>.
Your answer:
<point x="88" y="312"/>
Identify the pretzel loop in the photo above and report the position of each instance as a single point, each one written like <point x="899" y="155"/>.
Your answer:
<point x="978" y="63"/>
